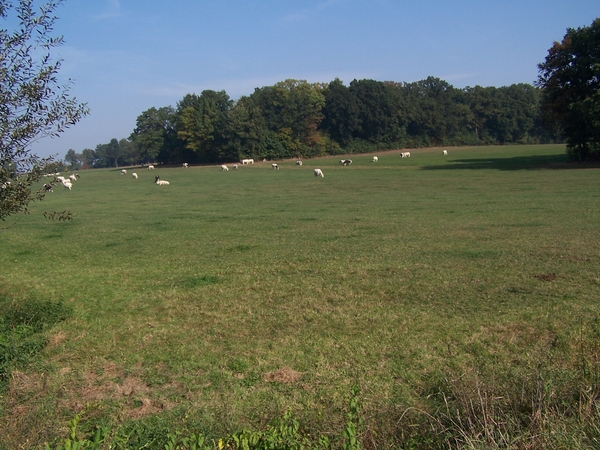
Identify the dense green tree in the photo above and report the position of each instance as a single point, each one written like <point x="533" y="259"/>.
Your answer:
<point x="88" y="158"/>
<point x="152" y="132"/>
<point x="481" y="103"/>
<point x="129" y="152"/>
<point x="245" y="130"/>
<point x="201" y="124"/>
<point x="570" y="82"/>
<point x="440" y="114"/>
<point x="340" y="113"/>
<point x="74" y="159"/>
<point x="108" y="155"/>
<point x="113" y="153"/>
<point x="100" y="153"/>
<point x="33" y="104"/>
<point x="503" y="115"/>
<point x="519" y="109"/>
<point x="381" y="116"/>
<point x="292" y="111"/>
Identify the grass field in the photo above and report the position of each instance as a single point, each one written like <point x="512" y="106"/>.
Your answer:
<point x="451" y="290"/>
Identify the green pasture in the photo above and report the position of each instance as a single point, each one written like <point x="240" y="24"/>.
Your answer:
<point x="221" y="301"/>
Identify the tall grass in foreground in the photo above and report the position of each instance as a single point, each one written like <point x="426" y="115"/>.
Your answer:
<point x="460" y="293"/>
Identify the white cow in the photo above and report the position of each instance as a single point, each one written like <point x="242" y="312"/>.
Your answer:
<point x="160" y="182"/>
<point x="224" y="168"/>
<point x="404" y="155"/>
<point x="134" y="175"/>
<point x="275" y="166"/>
<point x="123" y="172"/>
<point x="248" y="161"/>
<point x="150" y="167"/>
<point x="298" y="163"/>
<point x="185" y="165"/>
<point x="319" y="173"/>
<point x="445" y="152"/>
<point x="375" y="159"/>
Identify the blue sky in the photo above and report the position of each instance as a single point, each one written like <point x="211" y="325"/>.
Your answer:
<point x="126" y="56"/>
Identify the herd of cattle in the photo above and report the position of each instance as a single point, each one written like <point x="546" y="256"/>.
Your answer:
<point x="68" y="182"/>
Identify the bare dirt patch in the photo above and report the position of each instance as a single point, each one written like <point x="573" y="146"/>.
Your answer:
<point x="283" y="375"/>
<point x="546" y="276"/>
<point x="57" y="339"/>
<point x="30" y="416"/>
<point x="109" y="382"/>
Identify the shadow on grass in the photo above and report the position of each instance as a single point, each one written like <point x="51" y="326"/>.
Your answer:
<point x="529" y="162"/>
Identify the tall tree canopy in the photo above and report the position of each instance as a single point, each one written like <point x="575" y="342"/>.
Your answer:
<point x="340" y="112"/>
<point x="151" y="133"/>
<point x="292" y="112"/>
<point x="33" y="103"/>
<point x="201" y="124"/>
<point x="381" y="117"/>
<point x="570" y="82"/>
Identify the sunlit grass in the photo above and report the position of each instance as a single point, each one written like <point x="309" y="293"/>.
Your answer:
<point x="382" y="274"/>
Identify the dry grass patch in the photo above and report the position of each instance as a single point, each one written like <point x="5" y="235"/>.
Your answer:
<point x="283" y="375"/>
<point x="546" y="276"/>
<point x="103" y="384"/>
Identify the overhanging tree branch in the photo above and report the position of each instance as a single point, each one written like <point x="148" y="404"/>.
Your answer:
<point x="33" y="103"/>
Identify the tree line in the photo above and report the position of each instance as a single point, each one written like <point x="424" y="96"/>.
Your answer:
<point x="297" y="119"/>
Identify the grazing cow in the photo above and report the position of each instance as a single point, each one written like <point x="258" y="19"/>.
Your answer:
<point x="185" y="165"/>
<point x="235" y="166"/>
<point x="319" y="173"/>
<point x="134" y="175"/>
<point x="275" y="166"/>
<point x="345" y="162"/>
<point x="224" y="168"/>
<point x="150" y="167"/>
<point x="298" y="163"/>
<point x="123" y="172"/>
<point x="375" y="159"/>
<point x="445" y="152"/>
<point x="404" y="155"/>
